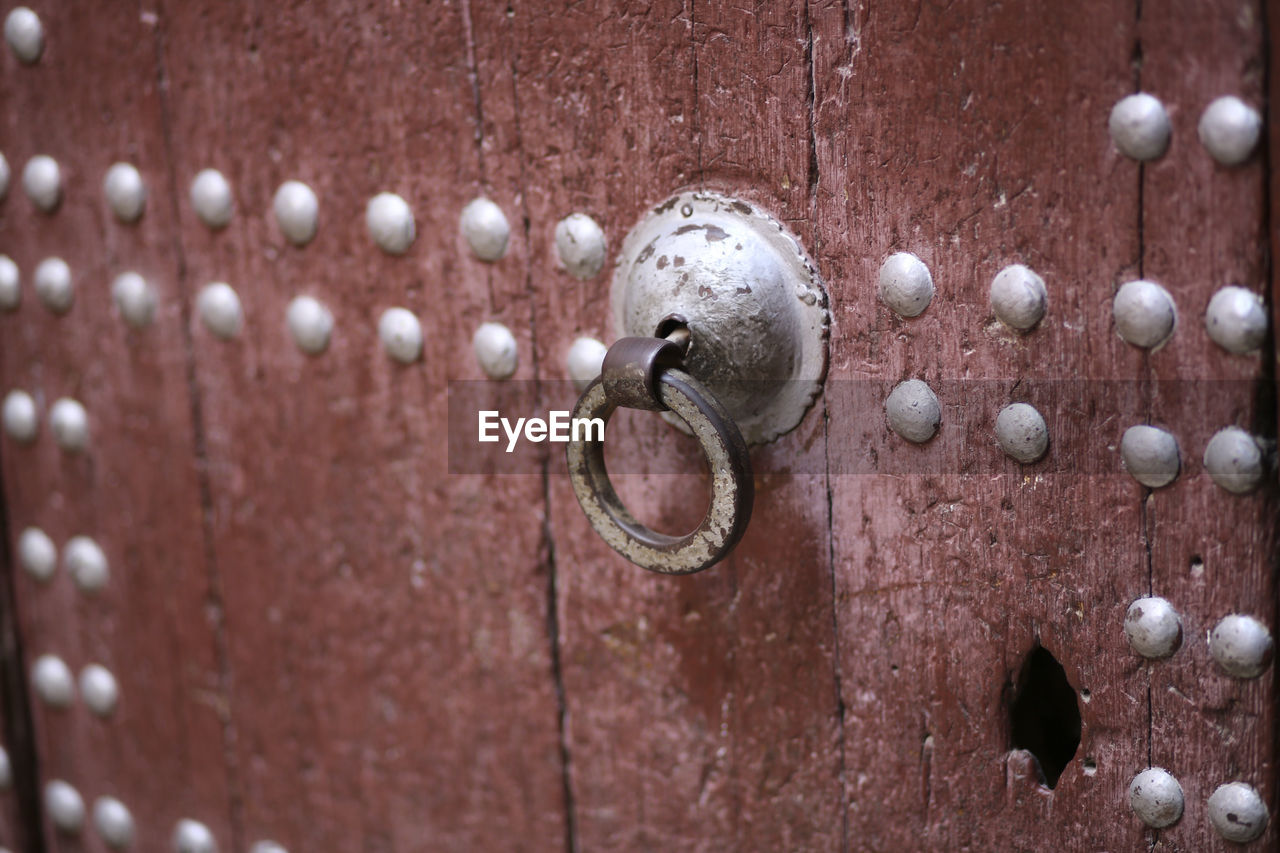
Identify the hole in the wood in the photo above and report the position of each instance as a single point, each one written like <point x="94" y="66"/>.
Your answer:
<point x="1085" y="695"/>
<point x="1197" y="566"/>
<point x="1045" y="714"/>
<point x="1090" y="767"/>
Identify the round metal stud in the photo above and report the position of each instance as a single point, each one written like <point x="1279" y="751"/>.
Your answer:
<point x="310" y="324"/>
<point x="37" y="554"/>
<point x="1241" y="645"/>
<point x="10" y="284"/>
<point x="6" y="770"/>
<point x="53" y="682"/>
<point x="1140" y="127"/>
<point x="1156" y="797"/>
<point x="211" y="197"/>
<point x="1229" y="130"/>
<point x="906" y="285"/>
<point x="4" y="177"/>
<point x="1022" y="432"/>
<point x="21" y="420"/>
<point x="64" y="806"/>
<point x="1144" y="313"/>
<point x="42" y="182"/>
<point x="390" y="223"/>
<point x="134" y="299"/>
<point x="86" y="563"/>
<point x="486" y="229"/>
<point x="584" y="361"/>
<point x="580" y="245"/>
<point x="1153" y="627"/>
<point x="1237" y="811"/>
<point x="113" y="822"/>
<point x="191" y="836"/>
<point x="1236" y="320"/>
<point x="99" y="690"/>
<point x="1150" y="455"/>
<point x="53" y="285"/>
<point x="913" y="411"/>
<point x="25" y="35"/>
<point x="401" y="335"/>
<point x="125" y="191"/>
<point x="267" y="847"/>
<point x="69" y="424"/>
<point x="1234" y="460"/>
<point x="495" y="349"/>
<point x="297" y="209"/>
<point x="1018" y="297"/>
<point x="219" y="308"/>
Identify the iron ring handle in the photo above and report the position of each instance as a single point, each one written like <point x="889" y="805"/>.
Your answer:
<point x="732" y="492"/>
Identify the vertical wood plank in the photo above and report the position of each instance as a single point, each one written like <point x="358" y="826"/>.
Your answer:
<point x="1212" y="553"/>
<point x="975" y="136"/>
<point x="95" y="98"/>
<point x="390" y="676"/>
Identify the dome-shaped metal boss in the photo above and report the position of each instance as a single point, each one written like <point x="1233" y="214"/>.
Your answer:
<point x="1022" y="433"/>
<point x="310" y="324"/>
<point x="211" y="199"/>
<point x="913" y="411"/>
<point x="1156" y="797"/>
<point x="496" y="350"/>
<point x="485" y="226"/>
<point x="25" y="34"/>
<point x="1018" y="297"/>
<point x="297" y="212"/>
<point x="126" y="192"/>
<point x="65" y="806"/>
<point x="1153" y="627"/>
<point x="1234" y="460"/>
<point x="906" y="285"/>
<point x="390" y="222"/>
<point x="1229" y="130"/>
<point x="1139" y="127"/>
<point x="584" y="361"/>
<point x="1144" y="314"/>
<point x="1241" y="645"/>
<point x="580" y="245"/>
<point x="1237" y="812"/>
<point x="1150" y="455"/>
<point x="1236" y="320"/>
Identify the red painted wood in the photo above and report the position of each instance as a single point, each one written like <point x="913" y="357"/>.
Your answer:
<point x="94" y="98"/>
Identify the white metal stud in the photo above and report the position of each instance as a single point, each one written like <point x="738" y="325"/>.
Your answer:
<point x="1237" y="811"/>
<point x="310" y="324"/>
<point x="1139" y="127"/>
<point x="21" y="420"/>
<point x="219" y="308"/>
<point x="580" y="245"/>
<point x="1229" y="130"/>
<point x="69" y="424"/>
<point x="86" y="563"/>
<point x="64" y="806"/>
<point x="52" y="681"/>
<point x="1150" y="455"/>
<point x="113" y="822"/>
<point x="1022" y="433"/>
<point x="496" y="350"/>
<point x="401" y="335"/>
<point x="297" y="210"/>
<point x="1018" y="297"/>
<point x="584" y="361"/>
<point x="37" y="554"/>
<point x="1241" y="645"/>
<point x="1236" y="320"/>
<point x="1156" y="797"/>
<point x="1144" y="313"/>
<point x="53" y="285"/>
<point x="126" y="192"/>
<point x="906" y="285"/>
<point x="1153" y="627"/>
<point x="99" y="690"/>
<point x="390" y="222"/>
<point x="135" y="299"/>
<point x="42" y="182"/>
<point x="913" y="411"/>
<point x="1234" y="460"/>
<point x="25" y="35"/>
<point x="486" y="229"/>
<point x="211" y="198"/>
<point x="191" y="836"/>
<point x="10" y="284"/>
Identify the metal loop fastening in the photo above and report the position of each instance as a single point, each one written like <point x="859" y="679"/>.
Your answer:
<point x="639" y="373"/>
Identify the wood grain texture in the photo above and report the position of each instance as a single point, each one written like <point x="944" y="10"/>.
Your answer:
<point x="389" y="666"/>
<point x="1212" y="553"/>
<point x="975" y="136"/>
<point x="93" y="99"/>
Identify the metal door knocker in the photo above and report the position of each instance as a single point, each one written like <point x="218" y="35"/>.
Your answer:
<point x="645" y="373"/>
<point x="724" y="321"/>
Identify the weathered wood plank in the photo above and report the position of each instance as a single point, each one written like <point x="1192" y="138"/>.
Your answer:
<point x="1212" y="553"/>
<point x="94" y="98"/>
<point x="390" y="680"/>
<point x="975" y="136"/>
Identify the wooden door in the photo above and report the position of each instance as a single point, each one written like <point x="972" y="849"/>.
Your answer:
<point x="324" y="636"/>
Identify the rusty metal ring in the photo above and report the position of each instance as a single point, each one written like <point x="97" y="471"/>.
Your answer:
<point x="732" y="490"/>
